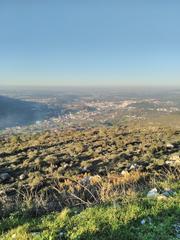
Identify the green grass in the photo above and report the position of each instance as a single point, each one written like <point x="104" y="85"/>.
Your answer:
<point x="119" y="221"/>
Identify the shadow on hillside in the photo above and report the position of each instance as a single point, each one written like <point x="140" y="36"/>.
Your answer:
<point x="14" y="112"/>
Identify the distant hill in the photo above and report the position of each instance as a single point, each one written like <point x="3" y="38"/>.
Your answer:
<point x="15" y="112"/>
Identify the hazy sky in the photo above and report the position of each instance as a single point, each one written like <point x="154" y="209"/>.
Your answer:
<point x="90" y="42"/>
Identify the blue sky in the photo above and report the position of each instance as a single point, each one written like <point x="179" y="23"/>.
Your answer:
<point x="89" y="42"/>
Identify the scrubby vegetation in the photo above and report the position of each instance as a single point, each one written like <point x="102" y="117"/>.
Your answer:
<point x="90" y="184"/>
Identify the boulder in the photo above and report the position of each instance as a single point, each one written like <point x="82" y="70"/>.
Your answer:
<point x="169" y="145"/>
<point x="168" y="193"/>
<point x="124" y="173"/>
<point x="4" y="177"/>
<point x="153" y="193"/>
<point x="147" y="220"/>
<point x="22" y="176"/>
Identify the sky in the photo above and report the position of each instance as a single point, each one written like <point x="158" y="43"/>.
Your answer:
<point x="89" y="42"/>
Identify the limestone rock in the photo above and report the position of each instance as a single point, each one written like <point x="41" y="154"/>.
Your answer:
<point x="153" y="193"/>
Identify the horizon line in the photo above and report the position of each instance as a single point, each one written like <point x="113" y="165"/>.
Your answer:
<point x="93" y="86"/>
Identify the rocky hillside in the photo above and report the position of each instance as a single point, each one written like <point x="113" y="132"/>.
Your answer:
<point x="116" y="168"/>
<point x="37" y="161"/>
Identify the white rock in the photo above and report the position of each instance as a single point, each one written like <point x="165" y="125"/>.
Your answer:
<point x="61" y="234"/>
<point x="124" y="172"/>
<point x="22" y="177"/>
<point x="66" y="165"/>
<point x="143" y="221"/>
<point x="133" y="167"/>
<point x="147" y="220"/>
<point x="153" y="193"/>
<point x="169" y="145"/>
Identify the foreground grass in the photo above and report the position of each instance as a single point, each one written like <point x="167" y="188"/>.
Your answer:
<point x="114" y="221"/>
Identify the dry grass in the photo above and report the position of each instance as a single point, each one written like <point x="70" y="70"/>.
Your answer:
<point x="85" y="191"/>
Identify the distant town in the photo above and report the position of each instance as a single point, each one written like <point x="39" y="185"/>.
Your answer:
<point x="71" y="109"/>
